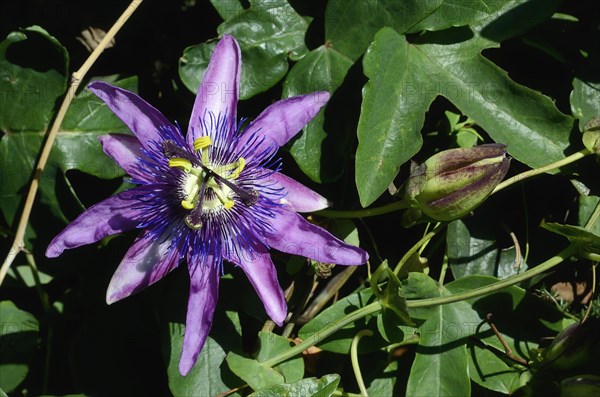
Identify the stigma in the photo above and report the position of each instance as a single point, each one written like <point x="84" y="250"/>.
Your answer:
<point x="207" y="186"/>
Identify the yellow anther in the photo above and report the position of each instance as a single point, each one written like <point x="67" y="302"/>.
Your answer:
<point x="201" y="143"/>
<point x="241" y="163"/>
<point x="228" y="204"/>
<point x="188" y="205"/>
<point x="226" y="201"/>
<point x="183" y="164"/>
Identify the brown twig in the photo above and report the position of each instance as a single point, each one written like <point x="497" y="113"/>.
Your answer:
<point x="18" y="244"/>
<point x="507" y="350"/>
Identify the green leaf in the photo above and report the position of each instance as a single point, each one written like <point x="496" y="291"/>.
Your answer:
<point x="271" y="345"/>
<point x="472" y="249"/>
<point x="346" y="230"/>
<point x="393" y="301"/>
<point x="87" y="112"/>
<point x="319" y="151"/>
<point x="465" y="138"/>
<point x="384" y="384"/>
<point x="208" y="376"/>
<point x="34" y="86"/>
<point x="387" y="136"/>
<point x="351" y="25"/>
<point x="33" y="74"/>
<point x="23" y="275"/>
<point x="488" y="370"/>
<point x="452" y="13"/>
<point x="76" y="148"/>
<point x="228" y="9"/>
<point x="591" y="137"/>
<point x="323" y="387"/>
<point x="390" y="328"/>
<point x="441" y="347"/>
<point x="277" y="34"/>
<point x="449" y="63"/>
<point x="18" y="341"/>
<point x="587" y="205"/>
<point x="585" y="97"/>
<point x="252" y="372"/>
<point x="448" y="328"/>
<point x="258" y="376"/>
<point x="586" y="239"/>
<point x="511" y="309"/>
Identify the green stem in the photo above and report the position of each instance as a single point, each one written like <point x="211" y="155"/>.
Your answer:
<point x="593" y="218"/>
<point x="47" y="307"/>
<point x="443" y="270"/>
<point x="591" y="256"/>
<point x="418" y="245"/>
<point x="413" y="340"/>
<point x="354" y="359"/>
<point x="319" y="336"/>
<point x="488" y="289"/>
<point x="341" y="393"/>
<point x="537" y="171"/>
<point x="384" y="209"/>
<point x="429" y="302"/>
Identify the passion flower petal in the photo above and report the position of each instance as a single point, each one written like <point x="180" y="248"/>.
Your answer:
<point x="147" y="261"/>
<point x="141" y="118"/>
<point x="204" y="292"/>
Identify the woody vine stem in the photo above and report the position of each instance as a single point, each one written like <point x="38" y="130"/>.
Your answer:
<point x="18" y="244"/>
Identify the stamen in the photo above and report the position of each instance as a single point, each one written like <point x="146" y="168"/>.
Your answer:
<point x="188" y="205"/>
<point x="171" y="149"/>
<point x="248" y="196"/>
<point x="181" y="163"/>
<point x="194" y="219"/>
<point x="226" y="201"/>
<point x="240" y="164"/>
<point x="236" y="168"/>
<point x="201" y="143"/>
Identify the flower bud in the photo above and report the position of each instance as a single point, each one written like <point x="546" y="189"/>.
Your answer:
<point x="454" y="182"/>
<point x="574" y="347"/>
<point x="580" y="386"/>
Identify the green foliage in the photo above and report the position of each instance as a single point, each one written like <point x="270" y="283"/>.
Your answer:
<point x="472" y="249"/>
<point x="259" y="376"/>
<point x="277" y="34"/>
<point x="323" y="387"/>
<point x="18" y="341"/>
<point x="408" y="79"/>
<point x="206" y="377"/>
<point x="34" y="93"/>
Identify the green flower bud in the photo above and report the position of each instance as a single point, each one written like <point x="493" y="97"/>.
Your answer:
<point x="574" y="347"/>
<point x="454" y="182"/>
<point x="580" y="386"/>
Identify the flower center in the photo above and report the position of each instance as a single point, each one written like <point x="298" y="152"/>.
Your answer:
<point x="207" y="187"/>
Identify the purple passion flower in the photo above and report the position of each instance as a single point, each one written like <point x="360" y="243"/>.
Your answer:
<point x="215" y="195"/>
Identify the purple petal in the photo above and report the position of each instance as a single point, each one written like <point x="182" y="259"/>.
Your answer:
<point x="298" y="197"/>
<point x="204" y="291"/>
<point x="141" y="117"/>
<point x="297" y="236"/>
<point x="284" y="119"/>
<point x="111" y="216"/>
<point x="147" y="261"/>
<point x="125" y="150"/>
<point x="261" y="272"/>
<point x="218" y="93"/>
